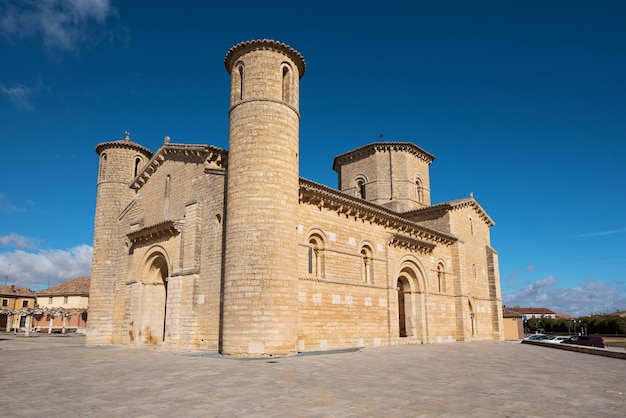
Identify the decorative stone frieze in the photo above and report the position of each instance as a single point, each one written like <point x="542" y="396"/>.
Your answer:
<point x="212" y="158"/>
<point x="453" y="205"/>
<point x="324" y="197"/>
<point x="158" y="231"/>
<point x="412" y="244"/>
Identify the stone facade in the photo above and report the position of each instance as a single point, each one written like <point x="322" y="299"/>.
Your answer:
<point x="199" y="248"/>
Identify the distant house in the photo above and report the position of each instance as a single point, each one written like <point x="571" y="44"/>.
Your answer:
<point x="65" y="306"/>
<point x="534" y="313"/>
<point x="621" y="314"/>
<point x="513" y="324"/>
<point x="15" y="304"/>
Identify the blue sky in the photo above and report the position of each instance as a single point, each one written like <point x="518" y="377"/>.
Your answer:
<point x="523" y="103"/>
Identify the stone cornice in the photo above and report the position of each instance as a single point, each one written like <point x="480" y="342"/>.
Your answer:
<point x="375" y="147"/>
<point x="156" y="231"/>
<point x="123" y="143"/>
<point x="413" y="244"/>
<point x="213" y="157"/>
<point x="263" y="99"/>
<point x="341" y="282"/>
<point x="243" y="47"/>
<point x="442" y="208"/>
<point x="325" y="197"/>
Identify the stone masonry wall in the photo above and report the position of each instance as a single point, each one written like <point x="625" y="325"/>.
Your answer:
<point x="338" y="308"/>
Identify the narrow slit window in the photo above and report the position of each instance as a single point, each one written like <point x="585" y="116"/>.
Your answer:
<point x="236" y="87"/>
<point x="419" y="189"/>
<point x="360" y="188"/>
<point x="240" y="72"/>
<point x="287" y="83"/>
<point x="103" y="166"/>
<point x="137" y="165"/>
<point x="366" y="258"/>
<point x="315" y="255"/>
<point x="440" y="278"/>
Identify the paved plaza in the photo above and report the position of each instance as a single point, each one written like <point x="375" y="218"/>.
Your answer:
<point x="57" y="376"/>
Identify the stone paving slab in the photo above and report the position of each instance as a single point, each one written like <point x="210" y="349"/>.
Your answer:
<point x="57" y="376"/>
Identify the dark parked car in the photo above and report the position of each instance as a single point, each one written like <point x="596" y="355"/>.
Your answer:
<point x="589" y="340"/>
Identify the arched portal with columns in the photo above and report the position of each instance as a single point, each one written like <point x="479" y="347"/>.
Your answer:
<point x="149" y="300"/>
<point x="472" y="325"/>
<point x="411" y="301"/>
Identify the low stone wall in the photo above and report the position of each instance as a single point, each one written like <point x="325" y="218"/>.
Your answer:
<point x="581" y="349"/>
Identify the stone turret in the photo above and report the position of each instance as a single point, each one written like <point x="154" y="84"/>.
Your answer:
<point x="391" y="174"/>
<point x="260" y="283"/>
<point x="120" y="161"/>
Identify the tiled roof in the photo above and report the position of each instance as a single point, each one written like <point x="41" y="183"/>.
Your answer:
<point x="417" y="214"/>
<point x="370" y="149"/>
<point x="509" y="313"/>
<point x="206" y="154"/>
<point x="123" y="143"/>
<point x="71" y="287"/>
<point x="532" y="310"/>
<point x="237" y="50"/>
<point x="15" y="291"/>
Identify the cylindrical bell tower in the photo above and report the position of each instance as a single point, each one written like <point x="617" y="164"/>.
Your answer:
<point x="119" y="163"/>
<point x="260" y="282"/>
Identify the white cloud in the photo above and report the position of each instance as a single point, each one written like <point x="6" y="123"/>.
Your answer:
<point x="592" y="296"/>
<point x="603" y="233"/>
<point x="6" y="206"/>
<point x="19" y="95"/>
<point x="63" y="25"/>
<point x="35" y="270"/>
<point x="17" y="241"/>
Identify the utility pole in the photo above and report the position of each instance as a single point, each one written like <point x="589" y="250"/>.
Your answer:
<point x="6" y="276"/>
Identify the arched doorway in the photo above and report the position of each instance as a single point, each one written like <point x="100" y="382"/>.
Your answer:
<point x="149" y="323"/>
<point x="472" y="317"/>
<point x="401" y="307"/>
<point x="411" y="305"/>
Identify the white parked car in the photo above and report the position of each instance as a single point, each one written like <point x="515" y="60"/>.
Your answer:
<point x="536" y="337"/>
<point x="557" y="339"/>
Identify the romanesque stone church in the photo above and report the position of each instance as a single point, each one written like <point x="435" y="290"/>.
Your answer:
<point x="201" y="248"/>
